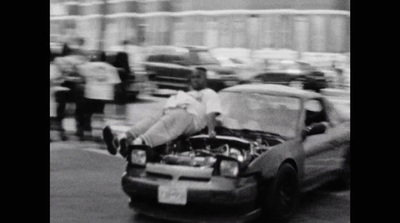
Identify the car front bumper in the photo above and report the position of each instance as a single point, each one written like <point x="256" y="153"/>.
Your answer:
<point x="218" y="199"/>
<point x="191" y="215"/>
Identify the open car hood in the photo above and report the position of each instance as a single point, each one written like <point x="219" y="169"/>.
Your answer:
<point x="203" y="151"/>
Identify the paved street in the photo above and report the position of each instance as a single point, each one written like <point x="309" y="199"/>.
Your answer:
<point x="85" y="184"/>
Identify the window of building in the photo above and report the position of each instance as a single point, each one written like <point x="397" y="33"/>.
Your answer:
<point x="337" y="34"/>
<point x="178" y="31"/>
<point x="89" y="29"/>
<point x="318" y="33"/>
<point x="267" y="32"/>
<point x="301" y="33"/>
<point x="239" y="31"/>
<point x="253" y="32"/>
<point x="284" y="32"/>
<point x="224" y="31"/>
<point x="211" y="36"/>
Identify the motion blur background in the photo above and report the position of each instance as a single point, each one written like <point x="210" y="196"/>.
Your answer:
<point x="314" y="31"/>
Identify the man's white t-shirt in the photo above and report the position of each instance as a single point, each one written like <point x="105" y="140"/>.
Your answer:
<point x="198" y="103"/>
<point x="100" y="80"/>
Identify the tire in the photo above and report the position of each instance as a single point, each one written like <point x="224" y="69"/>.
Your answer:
<point x="282" y="196"/>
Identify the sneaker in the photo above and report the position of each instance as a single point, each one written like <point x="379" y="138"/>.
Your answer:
<point x="109" y="140"/>
<point x="123" y="147"/>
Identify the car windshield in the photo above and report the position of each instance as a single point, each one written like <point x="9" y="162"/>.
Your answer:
<point x="287" y="65"/>
<point x="260" y="112"/>
<point x="203" y="58"/>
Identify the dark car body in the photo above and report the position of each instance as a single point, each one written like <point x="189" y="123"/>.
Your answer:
<point x="270" y="146"/>
<point x="292" y="73"/>
<point x="169" y="67"/>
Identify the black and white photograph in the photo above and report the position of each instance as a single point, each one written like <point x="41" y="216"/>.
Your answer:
<point x="199" y="111"/>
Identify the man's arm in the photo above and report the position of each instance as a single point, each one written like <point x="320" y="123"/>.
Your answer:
<point x="211" y="122"/>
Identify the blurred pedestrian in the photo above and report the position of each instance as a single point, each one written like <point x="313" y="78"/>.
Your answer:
<point x="121" y="62"/>
<point x="55" y="88"/>
<point x="100" y="80"/>
<point x="75" y="83"/>
<point x="339" y="74"/>
<point x="66" y="50"/>
<point x="183" y="114"/>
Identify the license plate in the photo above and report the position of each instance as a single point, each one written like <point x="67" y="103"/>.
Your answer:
<point x="172" y="195"/>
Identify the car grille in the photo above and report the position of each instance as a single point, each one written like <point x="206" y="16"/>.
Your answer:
<point x="196" y="179"/>
<point x="155" y="176"/>
<point x="192" y="208"/>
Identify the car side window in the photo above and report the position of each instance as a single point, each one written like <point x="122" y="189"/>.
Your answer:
<point x="169" y="58"/>
<point x="194" y="58"/>
<point x="179" y="60"/>
<point x="159" y="58"/>
<point x="315" y="112"/>
<point x="153" y="58"/>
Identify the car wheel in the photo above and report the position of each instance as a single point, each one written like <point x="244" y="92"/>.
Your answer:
<point x="296" y="84"/>
<point x="282" y="195"/>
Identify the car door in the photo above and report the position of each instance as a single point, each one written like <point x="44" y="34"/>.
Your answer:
<point x="323" y="153"/>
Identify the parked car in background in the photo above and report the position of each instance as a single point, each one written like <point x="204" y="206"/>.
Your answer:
<point x="273" y="142"/>
<point x="169" y="67"/>
<point x="292" y="73"/>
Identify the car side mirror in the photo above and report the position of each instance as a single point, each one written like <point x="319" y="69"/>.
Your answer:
<point x="315" y="129"/>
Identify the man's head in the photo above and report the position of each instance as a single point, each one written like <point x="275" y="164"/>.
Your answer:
<point x="198" y="78"/>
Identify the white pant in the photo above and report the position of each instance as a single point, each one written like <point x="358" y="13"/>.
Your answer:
<point x="159" y="130"/>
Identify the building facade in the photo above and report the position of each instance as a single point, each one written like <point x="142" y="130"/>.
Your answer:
<point x="301" y="25"/>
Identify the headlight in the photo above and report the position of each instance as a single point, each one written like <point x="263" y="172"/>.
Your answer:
<point x="138" y="157"/>
<point x="229" y="168"/>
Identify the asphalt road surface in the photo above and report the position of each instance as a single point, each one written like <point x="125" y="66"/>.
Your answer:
<point x="85" y="186"/>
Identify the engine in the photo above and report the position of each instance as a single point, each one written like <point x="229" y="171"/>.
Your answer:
<point x="203" y="151"/>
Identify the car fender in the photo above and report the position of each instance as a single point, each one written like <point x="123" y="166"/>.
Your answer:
<point x="268" y="163"/>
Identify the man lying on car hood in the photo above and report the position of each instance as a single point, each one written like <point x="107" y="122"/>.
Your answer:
<point x="183" y="114"/>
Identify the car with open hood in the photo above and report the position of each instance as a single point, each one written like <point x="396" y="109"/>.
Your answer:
<point x="273" y="142"/>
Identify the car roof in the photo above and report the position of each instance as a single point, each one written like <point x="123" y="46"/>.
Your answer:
<point x="273" y="89"/>
<point x="281" y="61"/>
<point x="193" y="47"/>
<point x="187" y="47"/>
